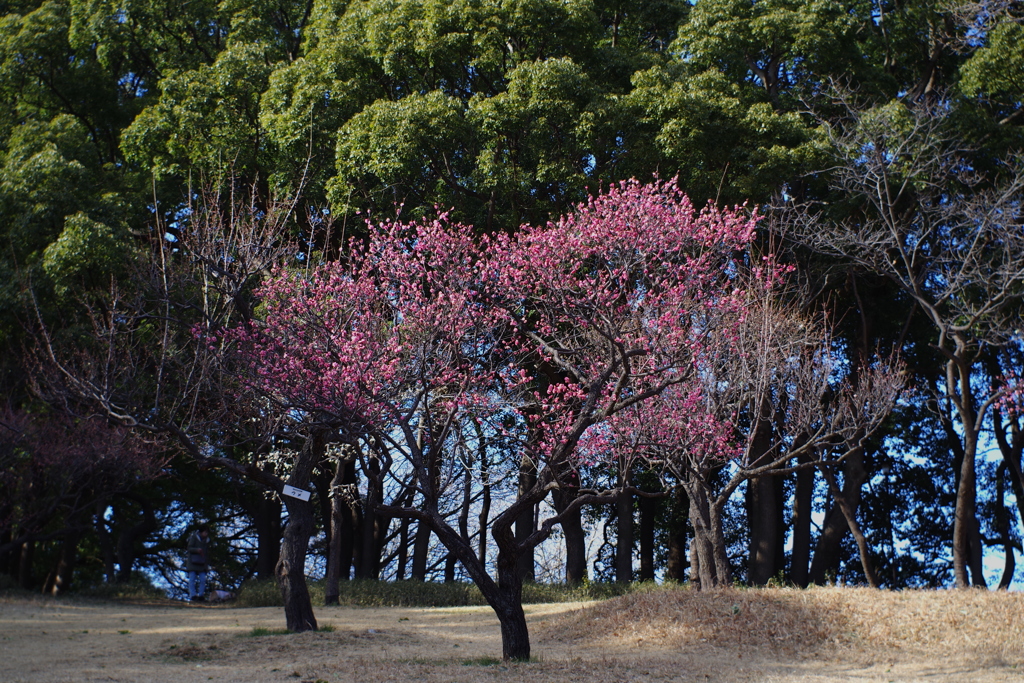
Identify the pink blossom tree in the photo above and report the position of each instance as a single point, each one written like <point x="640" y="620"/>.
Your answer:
<point x="535" y="340"/>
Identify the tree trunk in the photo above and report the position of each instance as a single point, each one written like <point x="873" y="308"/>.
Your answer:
<point x="467" y="502"/>
<point x="624" y="529"/>
<point x="967" y="551"/>
<point x="420" y="547"/>
<point x="5" y="555"/>
<point x="105" y="543"/>
<point x="850" y="515"/>
<point x="802" y="509"/>
<point x="508" y="605"/>
<point x="369" y="554"/>
<point x="766" y="527"/>
<point x="709" y="564"/>
<point x="575" y="537"/>
<point x="483" y="520"/>
<point x="525" y="522"/>
<point x="677" y="564"/>
<point x="128" y="540"/>
<point x="291" y="568"/>
<point x="323" y="481"/>
<point x="966" y="532"/>
<point x="1003" y="528"/>
<point x="403" y="549"/>
<point x="827" y="552"/>
<point x="702" y="562"/>
<point x="60" y="578"/>
<point x="648" y="507"/>
<point x="764" y="515"/>
<point x="722" y="568"/>
<point x="26" y="578"/>
<point x="338" y="506"/>
<point x="449" y="568"/>
<point x="504" y="595"/>
<point x="266" y="516"/>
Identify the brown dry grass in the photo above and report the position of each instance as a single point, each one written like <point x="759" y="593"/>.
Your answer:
<point x="966" y="625"/>
<point x="772" y="635"/>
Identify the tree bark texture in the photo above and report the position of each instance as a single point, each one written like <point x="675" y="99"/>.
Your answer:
<point x="764" y="502"/>
<point x="677" y="563"/>
<point x="128" y="540"/>
<point x="575" y="538"/>
<point x="369" y="552"/>
<point x="799" y="568"/>
<point x="827" y="552"/>
<point x="266" y="516"/>
<point x="507" y="603"/>
<point x="624" y="528"/>
<point x="339" y="553"/>
<point x="850" y="515"/>
<point x="525" y="522"/>
<point x="709" y="564"/>
<point x="648" y="508"/>
<point x="291" y="567"/>
<point x="59" y="580"/>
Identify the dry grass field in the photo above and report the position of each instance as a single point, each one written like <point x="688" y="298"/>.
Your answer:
<point x="778" y="635"/>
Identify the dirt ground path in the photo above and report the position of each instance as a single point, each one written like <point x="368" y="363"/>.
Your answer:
<point x="57" y="642"/>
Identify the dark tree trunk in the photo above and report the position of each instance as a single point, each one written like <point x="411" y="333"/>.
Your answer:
<point x="449" y="568"/>
<point x="349" y="523"/>
<point x="504" y="595"/>
<point x="508" y="606"/>
<point x="802" y="508"/>
<point x="337" y="562"/>
<point x="403" y="549"/>
<point x="5" y="555"/>
<point x="106" y="544"/>
<point x="526" y="521"/>
<point x="850" y="515"/>
<point x="291" y="568"/>
<point x="483" y="521"/>
<point x="420" y="547"/>
<point x="766" y="526"/>
<point x="323" y="481"/>
<point x="827" y="552"/>
<point x="129" y="539"/>
<point x="764" y="515"/>
<point x="1003" y="527"/>
<point x="967" y="550"/>
<point x="624" y="529"/>
<point x="677" y="563"/>
<point x="59" y="580"/>
<point x="26" y="578"/>
<point x="369" y="553"/>
<point x="709" y="565"/>
<point x="266" y="517"/>
<point x="648" y="507"/>
<point x="575" y="537"/>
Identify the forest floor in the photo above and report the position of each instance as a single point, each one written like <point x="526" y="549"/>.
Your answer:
<point x="777" y="635"/>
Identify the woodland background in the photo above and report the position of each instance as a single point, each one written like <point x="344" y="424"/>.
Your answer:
<point x="157" y="158"/>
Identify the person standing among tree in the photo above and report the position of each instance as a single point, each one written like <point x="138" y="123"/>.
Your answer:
<point x="197" y="564"/>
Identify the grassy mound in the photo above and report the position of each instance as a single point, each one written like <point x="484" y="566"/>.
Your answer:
<point x="939" y="623"/>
